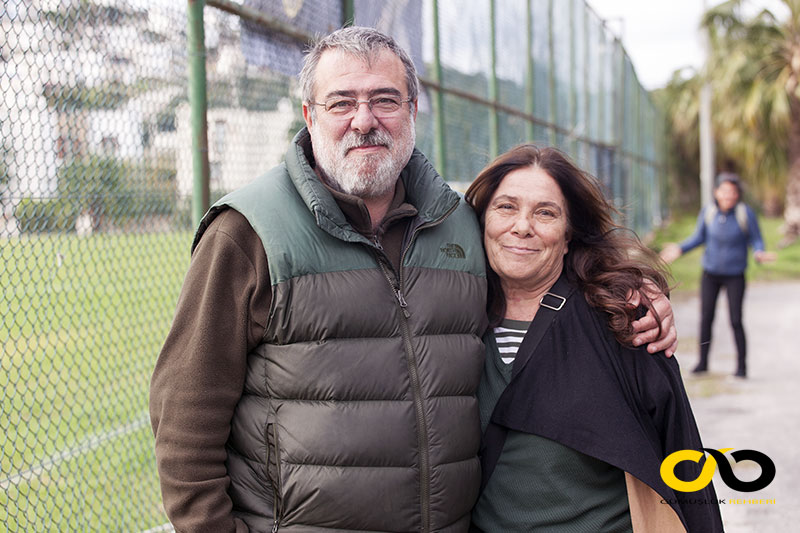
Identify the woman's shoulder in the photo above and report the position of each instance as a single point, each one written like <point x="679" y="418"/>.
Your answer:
<point x="592" y="324"/>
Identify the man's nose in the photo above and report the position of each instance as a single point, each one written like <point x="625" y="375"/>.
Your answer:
<point x="363" y="121"/>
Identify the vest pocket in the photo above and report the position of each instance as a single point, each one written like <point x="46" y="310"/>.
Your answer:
<point x="274" y="473"/>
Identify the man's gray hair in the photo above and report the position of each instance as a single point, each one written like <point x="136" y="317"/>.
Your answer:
<point x="361" y="42"/>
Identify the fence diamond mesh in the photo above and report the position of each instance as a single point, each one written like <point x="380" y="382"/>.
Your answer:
<point x="96" y="180"/>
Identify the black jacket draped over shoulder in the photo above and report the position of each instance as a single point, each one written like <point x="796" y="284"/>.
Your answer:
<point x="580" y="387"/>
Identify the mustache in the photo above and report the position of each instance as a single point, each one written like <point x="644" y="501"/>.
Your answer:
<point x="373" y="138"/>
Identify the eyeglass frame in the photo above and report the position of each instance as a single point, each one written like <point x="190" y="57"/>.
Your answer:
<point x="370" y="102"/>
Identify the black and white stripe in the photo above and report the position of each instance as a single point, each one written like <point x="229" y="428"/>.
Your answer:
<point x="509" y="336"/>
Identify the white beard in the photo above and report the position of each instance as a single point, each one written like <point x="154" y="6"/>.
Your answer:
<point x="365" y="176"/>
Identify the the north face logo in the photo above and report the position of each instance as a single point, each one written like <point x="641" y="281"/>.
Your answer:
<point x="453" y="251"/>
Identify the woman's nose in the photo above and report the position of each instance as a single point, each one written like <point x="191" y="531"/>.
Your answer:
<point x="522" y="227"/>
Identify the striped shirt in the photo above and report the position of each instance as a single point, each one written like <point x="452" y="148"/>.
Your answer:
<point x="509" y="335"/>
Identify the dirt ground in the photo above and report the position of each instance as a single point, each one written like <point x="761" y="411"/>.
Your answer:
<point x="760" y="413"/>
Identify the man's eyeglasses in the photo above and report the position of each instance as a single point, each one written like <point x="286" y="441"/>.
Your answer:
<point x="346" y="106"/>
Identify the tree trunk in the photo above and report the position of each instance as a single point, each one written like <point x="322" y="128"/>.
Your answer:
<point x="791" y="215"/>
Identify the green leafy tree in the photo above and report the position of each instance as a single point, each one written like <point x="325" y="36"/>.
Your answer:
<point x="754" y="69"/>
<point x="113" y="191"/>
<point x="92" y="185"/>
<point x="680" y="104"/>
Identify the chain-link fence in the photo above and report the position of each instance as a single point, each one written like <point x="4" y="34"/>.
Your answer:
<point x="96" y="182"/>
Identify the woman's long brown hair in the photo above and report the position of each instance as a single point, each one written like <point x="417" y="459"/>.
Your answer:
<point x="606" y="261"/>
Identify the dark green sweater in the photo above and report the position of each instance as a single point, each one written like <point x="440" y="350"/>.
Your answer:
<point x="541" y="485"/>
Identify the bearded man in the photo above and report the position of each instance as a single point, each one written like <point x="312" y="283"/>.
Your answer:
<point x="321" y="369"/>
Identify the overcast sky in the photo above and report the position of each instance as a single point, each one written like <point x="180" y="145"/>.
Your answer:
<point x="661" y="37"/>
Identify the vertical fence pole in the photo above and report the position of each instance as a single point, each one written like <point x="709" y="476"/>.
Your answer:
<point x="198" y="102"/>
<point x="530" y="102"/>
<point x="641" y="191"/>
<point x="602" y="130"/>
<point x="573" y="98"/>
<point x="438" y="97"/>
<point x="587" y="103"/>
<point x="551" y="73"/>
<point x="622" y="179"/>
<point x="494" y="129"/>
<point x="348" y="13"/>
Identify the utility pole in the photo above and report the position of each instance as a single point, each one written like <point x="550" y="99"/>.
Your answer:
<point x="706" y="131"/>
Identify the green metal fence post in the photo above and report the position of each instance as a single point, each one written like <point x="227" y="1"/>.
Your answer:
<point x="438" y="97"/>
<point x="618" y="103"/>
<point x="530" y="94"/>
<point x="587" y="101"/>
<point x="552" y="115"/>
<point x="638" y="175"/>
<point x="494" y="129"/>
<point x="198" y="101"/>
<point x="573" y="95"/>
<point x="603" y="89"/>
<point x="348" y="13"/>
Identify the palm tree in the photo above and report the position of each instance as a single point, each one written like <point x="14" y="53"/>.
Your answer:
<point x="754" y="69"/>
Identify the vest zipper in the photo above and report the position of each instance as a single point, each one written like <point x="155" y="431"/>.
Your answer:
<point x="396" y="283"/>
<point x="419" y="411"/>
<point x="425" y="468"/>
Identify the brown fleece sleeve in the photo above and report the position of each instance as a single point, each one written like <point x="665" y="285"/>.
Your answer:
<point x="199" y="376"/>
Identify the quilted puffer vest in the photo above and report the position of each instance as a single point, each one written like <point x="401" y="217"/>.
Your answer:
<point x="359" y="410"/>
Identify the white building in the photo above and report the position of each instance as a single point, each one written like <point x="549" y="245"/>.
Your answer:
<point x="59" y="74"/>
<point x="242" y="145"/>
<point x="114" y="83"/>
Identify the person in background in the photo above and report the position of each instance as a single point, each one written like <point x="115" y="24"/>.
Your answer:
<point x="727" y="227"/>
<point x="576" y="420"/>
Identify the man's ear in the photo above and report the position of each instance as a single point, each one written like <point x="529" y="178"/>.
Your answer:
<point x="307" y="115"/>
<point x="416" y="106"/>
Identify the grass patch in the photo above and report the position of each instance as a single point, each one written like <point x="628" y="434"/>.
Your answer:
<point x="687" y="269"/>
<point x="83" y="320"/>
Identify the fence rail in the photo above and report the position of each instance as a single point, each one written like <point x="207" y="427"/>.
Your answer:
<point x="98" y="191"/>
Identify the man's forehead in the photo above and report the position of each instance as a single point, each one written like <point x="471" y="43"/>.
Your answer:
<point x="339" y="64"/>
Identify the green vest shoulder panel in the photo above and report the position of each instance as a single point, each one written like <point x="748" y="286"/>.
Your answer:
<point x="299" y="243"/>
<point x="454" y="244"/>
<point x="292" y="238"/>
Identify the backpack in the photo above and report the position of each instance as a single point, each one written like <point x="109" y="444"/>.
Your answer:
<point x="740" y="211"/>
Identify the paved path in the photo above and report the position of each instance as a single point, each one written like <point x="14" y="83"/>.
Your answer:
<point x="761" y="413"/>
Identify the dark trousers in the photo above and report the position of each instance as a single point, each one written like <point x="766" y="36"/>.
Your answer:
<point x="709" y="290"/>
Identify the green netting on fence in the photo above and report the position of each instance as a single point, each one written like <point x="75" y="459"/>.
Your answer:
<point x="96" y="181"/>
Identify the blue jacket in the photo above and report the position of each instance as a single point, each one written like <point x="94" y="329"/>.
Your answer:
<point x="726" y="243"/>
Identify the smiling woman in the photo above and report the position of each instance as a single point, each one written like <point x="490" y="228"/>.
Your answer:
<point x="525" y="234"/>
<point x="576" y="420"/>
<point x="549" y="200"/>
